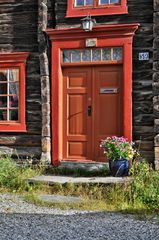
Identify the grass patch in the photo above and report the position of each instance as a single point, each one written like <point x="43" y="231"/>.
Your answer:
<point x="140" y="196"/>
<point x="14" y="177"/>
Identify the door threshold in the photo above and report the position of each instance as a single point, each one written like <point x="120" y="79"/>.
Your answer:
<point x="84" y="165"/>
<point x="82" y="161"/>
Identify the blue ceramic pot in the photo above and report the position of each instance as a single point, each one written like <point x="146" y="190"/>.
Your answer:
<point x="119" y="168"/>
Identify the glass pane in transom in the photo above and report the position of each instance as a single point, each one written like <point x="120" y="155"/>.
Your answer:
<point x="117" y="53"/>
<point x="86" y="55"/>
<point x="66" y="56"/>
<point x="106" y="54"/>
<point x="96" y="55"/>
<point x="76" y="55"/>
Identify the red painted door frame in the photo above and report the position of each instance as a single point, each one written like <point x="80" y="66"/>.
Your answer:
<point x="107" y="36"/>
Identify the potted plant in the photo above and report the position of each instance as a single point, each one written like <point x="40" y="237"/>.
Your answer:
<point x="119" y="152"/>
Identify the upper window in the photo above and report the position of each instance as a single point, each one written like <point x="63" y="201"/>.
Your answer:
<point x="95" y="3"/>
<point x="77" y="8"/>
<point x="12" y="91"/>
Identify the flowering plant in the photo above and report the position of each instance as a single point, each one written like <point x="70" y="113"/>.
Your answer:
<point x="116" y="148"/>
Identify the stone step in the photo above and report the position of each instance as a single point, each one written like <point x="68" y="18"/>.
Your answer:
<point x="86" y="165"/>
<point x="79" y="169"/>
<point x="50" y="179"/>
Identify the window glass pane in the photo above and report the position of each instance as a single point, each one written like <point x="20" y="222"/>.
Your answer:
<point x="13" y="75"/>
<point x="3" y="115"/>
<point x="3" y="88"/>
<point x="106" y="54"/>
<point x="66" y="56"/>
<point x="104" y="2"/>
<point x="79" y="2"/>
<point x="88" y="2"/>
<point x="3" y="102"/>
<point x="96" y="55"/>
<point x="76" y="55"/>
<point x="14" y="89"/>
<point x="13" y="115"/>
<point x="114" y="1"/>
<point x="13" y="101"/>
<point x="86" y="55"/>
<point x="117" y="54"/>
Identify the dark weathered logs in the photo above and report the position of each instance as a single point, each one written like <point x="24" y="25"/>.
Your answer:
<point x="18" y="32"/>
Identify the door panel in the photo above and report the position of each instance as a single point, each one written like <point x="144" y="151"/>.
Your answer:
<point x="76" y="125"/>
<point x="92" y="110"/>
<point x="108" y="112"/>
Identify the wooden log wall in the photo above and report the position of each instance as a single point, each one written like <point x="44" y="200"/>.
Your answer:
<point x="140" y="11"/>
<point x="18" y="32"/>
<point x="156" y="80"/>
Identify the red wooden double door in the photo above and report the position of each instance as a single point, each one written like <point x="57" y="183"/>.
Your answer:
<point x="92" y="109"/>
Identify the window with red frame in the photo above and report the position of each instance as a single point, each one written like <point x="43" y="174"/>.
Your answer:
<point x="95" y="3"/>
<point x="9" y="94"/>
<point x="12" y="92"/>
<point x="77" y="8"/>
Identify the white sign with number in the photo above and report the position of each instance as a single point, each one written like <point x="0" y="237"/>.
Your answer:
<point x="144" y="56"/>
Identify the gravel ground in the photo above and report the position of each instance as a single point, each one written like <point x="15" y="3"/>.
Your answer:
<point x="22" y="221"/>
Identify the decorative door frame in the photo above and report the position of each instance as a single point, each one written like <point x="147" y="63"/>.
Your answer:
<point x="120" y="35"/>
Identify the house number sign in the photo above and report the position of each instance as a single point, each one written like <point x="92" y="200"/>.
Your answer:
<point x="91" y="42"/>
<point x="144" y="56"/>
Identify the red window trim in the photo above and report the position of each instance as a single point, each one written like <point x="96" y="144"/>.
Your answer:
<point x="16" y="60"/>
<point x="108" y="35"/>
<point x="96" y="11"/>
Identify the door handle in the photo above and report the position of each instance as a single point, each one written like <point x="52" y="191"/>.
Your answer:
<point x="89" y="110"/>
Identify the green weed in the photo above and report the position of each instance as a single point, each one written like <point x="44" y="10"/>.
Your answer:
<point x="145" y="186"/>
<point x="140" y="195"/>
<point x="13" y="177"/>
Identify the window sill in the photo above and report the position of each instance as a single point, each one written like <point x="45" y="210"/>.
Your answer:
<point x="12" y="127"/>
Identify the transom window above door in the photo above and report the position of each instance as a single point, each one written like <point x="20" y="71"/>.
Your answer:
<point x="93" y="55"/>
<point x="77" y="8"/>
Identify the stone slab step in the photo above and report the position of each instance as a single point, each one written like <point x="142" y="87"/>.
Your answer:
<point x="49" y="179"/>
<point x="59" y="198"/>
<point x="90" y="166"/>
